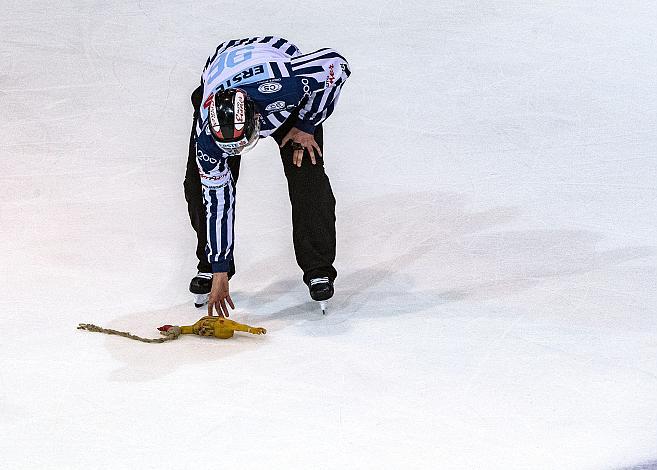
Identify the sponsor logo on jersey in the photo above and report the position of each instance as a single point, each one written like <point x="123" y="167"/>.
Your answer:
<point x="331" y="77"/>
<point x="270" y="87"/>
<point x="252" y="74"/>
<point x="276" y="106"/>
<point x="306" y="85"/>
<point x="204" y="157"/>
<point x="233" y="145"/>
<point x="213" y="178"/>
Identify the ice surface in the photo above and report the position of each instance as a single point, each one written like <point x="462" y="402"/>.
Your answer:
<point x="495" y="165"/>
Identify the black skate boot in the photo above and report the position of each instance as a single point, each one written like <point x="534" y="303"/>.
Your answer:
<point x="200" y="287"/>
<point x="321" y="289"/>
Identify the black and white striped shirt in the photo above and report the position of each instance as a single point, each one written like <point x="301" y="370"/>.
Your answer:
<point x="279" y="79"/>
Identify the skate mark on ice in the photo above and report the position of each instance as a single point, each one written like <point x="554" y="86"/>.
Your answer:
<point x="444" y="252"/>
<point x="644" y="466"/>
<point x="425" y="251"/>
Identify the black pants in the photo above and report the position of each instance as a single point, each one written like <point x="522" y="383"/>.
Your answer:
<point x="313" y="207"/>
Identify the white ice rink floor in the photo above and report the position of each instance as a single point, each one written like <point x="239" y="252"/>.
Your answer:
<point x="495" y="166"/>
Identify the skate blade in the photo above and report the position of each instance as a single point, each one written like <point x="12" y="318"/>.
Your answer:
<point x="329" y="319"/>
<point x="200" y="300"/>
<point x="323" y="304"/>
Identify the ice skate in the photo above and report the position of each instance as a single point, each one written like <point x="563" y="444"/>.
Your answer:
<point x="200" y="287"/>
<point x="321" y="290"/>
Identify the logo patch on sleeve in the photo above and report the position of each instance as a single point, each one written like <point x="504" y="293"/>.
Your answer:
<point x="276" y="106"/>
<point x="270" y="87"/>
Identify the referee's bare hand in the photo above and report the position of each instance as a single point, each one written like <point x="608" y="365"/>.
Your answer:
<point x="302" y="141"/>
<point x="219" y="295"/>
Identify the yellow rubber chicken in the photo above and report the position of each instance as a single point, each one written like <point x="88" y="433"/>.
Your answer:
<point x="219" y="327"/>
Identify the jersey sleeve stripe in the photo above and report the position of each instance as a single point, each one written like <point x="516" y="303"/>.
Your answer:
<point x="231" y="226"/>
<point x="211" y="202"/>
<point x="285" y="71"/>
<point x="278" y="44"/>
<point x="280" y="116"/>
<point x="304" y="109"/>
<point x="327" y="105"/>
<point x="276" y="70"/>
<point x="212" y="57"/>
<point x="224" y="224"/>
<point x="318" y="98"/>
<point x="320" y="55"/>
<point x="309" y="70"/>
<point x="310" y="57"/>
<point x="322" y="104"/>
<point x="220" y="230"/>
<point x="274" y="121"/>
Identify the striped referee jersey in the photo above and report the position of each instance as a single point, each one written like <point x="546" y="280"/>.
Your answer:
<point x="279" y="79"/>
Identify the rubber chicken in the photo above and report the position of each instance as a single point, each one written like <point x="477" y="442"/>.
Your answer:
<point x="219" y="327"/>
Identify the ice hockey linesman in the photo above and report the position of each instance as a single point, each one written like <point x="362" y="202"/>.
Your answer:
<point x="252" y="88"/>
